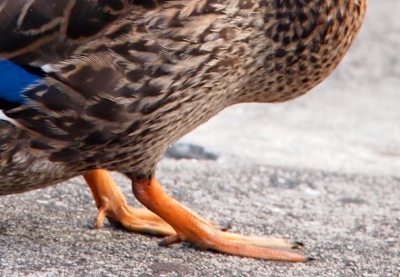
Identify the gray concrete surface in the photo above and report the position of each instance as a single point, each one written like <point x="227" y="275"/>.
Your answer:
<point x="322" y="169"/>
<point x="349" y="223"/>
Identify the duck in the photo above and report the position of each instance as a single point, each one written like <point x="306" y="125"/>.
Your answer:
<point x="91" y="86"/>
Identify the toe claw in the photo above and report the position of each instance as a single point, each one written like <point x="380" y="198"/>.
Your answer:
<point x="297" y="244"/>
<point x="310" y="259"/>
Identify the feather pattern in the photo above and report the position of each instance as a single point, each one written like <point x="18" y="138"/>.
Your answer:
<point x="129" y="78"/>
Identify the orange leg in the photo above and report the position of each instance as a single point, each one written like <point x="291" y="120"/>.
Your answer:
<point x="191" y="227"/>
<point x="112" y="204"/>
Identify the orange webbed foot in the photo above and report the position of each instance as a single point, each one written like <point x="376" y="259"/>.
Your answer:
<point x="111" y="204"/>
<point x="191" y="227"/>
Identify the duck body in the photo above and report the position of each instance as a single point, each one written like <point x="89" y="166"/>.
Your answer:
<point x="123" y="80"/>
<point x="120" y="98"/>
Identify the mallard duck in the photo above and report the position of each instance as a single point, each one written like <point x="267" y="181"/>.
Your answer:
<point x="109" y="85"/>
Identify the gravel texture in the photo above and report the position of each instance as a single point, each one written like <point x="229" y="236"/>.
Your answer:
<point x="349" y="223"/>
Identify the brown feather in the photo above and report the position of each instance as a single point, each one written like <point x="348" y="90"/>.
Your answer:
<point x="130" y="85"/>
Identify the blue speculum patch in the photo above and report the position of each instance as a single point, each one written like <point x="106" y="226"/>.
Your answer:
<point x="14" y="79"/>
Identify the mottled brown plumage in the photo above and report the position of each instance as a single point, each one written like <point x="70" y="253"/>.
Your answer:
<point x="129" y="78"/>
